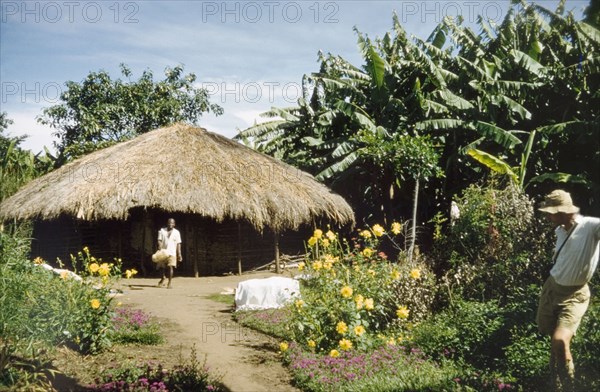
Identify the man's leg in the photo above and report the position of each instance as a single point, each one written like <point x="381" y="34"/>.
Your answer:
<point x="162" y="280"/>
<point x="561" y="357"/>
<point x="170" y="276"/>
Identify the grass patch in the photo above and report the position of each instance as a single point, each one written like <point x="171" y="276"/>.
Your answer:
<point x="227" y="299"/>
<point x="272" y="322"/>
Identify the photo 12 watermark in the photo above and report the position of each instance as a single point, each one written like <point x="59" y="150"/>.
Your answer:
<point x="253" y="92"/>
<point x="436" y="11"/>
<point x="270" y="11"/>
<point x="30" y="92"/>
<point x="69" y="11"/>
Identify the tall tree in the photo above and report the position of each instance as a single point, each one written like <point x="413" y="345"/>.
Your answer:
<point x="101" y="111"/>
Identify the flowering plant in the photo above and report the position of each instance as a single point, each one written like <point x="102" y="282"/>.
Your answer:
<point x="355" y="295"/>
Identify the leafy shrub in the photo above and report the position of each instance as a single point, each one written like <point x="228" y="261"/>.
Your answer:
<point x="466" y="331"/>
<point x="353" y="294"/>
<point x="495" y="245"/>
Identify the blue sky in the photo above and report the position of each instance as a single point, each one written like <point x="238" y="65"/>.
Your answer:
<point x="251" y="55"/>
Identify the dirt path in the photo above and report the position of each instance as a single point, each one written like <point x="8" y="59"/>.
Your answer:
<point x="247" y="360"/>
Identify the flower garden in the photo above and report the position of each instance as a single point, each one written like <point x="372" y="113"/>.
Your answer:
<point x="368" y="321"/>
<point x="44" y="311"/>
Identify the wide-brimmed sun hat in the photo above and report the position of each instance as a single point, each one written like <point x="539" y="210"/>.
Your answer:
<point x="558" y="201"/>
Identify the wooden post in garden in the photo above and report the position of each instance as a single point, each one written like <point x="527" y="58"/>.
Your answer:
<point x="143" y="247"/>
<point x="276" y="244"/>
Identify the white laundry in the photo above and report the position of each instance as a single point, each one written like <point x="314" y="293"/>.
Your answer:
<point x="270" y="293"/>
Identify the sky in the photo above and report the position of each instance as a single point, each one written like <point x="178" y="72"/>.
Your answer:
<point x="249" y="55"/>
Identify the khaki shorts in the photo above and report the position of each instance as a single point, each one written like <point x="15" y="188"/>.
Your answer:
<point x="561" y="306"/>
<point x="170" y="262"/>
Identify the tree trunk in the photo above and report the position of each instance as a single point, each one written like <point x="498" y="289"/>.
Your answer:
<point x="413" y="234"/>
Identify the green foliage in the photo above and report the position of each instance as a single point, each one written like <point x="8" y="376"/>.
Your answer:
<point x="272" y="322"/>
<point x="495" y="246"/>
<point x="465" y="331"/>
<point x="101" y="111"/>
<point x="134" y="326"/>
<point x="190" y="375"/>
<point x="355" y="295"/>
<point x="521" y="95"/>
<point x="386" y="368"/>
<point x="586" y="348"/>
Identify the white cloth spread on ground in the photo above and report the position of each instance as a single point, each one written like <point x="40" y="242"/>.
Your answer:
<point x="270" y="293"/>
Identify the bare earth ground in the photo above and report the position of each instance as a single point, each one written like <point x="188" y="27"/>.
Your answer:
<point x="246" y="360"/>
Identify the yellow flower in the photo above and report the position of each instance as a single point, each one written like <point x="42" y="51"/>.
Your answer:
<point x="378" y="230"/>
<point x="356" y="268"/>
<point x="395" y="274"/>
<point x="119" y="303"/>
<point x="359" y="330"/>
<point x="365" y="234"/>
<point x="93" y="259"/>
<point x="38" y="260"/>
<point x="367" y="252"/>
<point x="345" y="344"/>
<point x="341" y="327"/>
<point x="415" y="273"/>
<point x="369" y="304"/>
<point x="299" y="303"/>
<point x="346" y="291"/>
<point x="64" y="275"/>
<point x="396" y="228"/>
<point x="391" y="341"/>
<point x="334" y="353"/>
<point x="312" y="344"/>
<point x="317" y="265"/>
<point x="301" y="266"/>
<point x="283" y="346"/>
<point x="330" y="258"/>
<point x="130" y="273"/>
<point x="104" y="269"/>
<point x="312" y="241"/>
<point x="330" y="235"/>
<point x="325" y="242"/>
<point x="360" y="300"/>
<point x="95" y="304"/>
<point x="328" y="265"/>
<point x="402" y="312"/>
<point x="318" y="234"/>
<point x="371" y="272"/>
<point x="93" y="268"/>
<point x="86" y="250"/>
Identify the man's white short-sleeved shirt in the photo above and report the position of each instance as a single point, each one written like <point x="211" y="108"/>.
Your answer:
<point x="578" y="258"/>
<point x="169" y="241"/>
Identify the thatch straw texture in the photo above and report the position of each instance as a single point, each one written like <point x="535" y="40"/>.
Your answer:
<point x="180" y="169"/>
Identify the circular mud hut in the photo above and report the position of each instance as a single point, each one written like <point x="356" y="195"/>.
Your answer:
<point x="234" y="206"/>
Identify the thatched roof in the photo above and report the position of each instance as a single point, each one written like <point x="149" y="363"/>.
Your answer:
<point x="180" y="169"/>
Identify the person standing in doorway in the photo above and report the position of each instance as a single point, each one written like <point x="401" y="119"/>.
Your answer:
<point x="169" y="239"/>
<point x="565" y="296"/>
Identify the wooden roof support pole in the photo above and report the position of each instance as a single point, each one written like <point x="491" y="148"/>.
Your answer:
<point x="239" y="249"/>
<point x="276" y="245"/>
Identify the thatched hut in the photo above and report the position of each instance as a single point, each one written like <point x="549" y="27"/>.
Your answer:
<point x="232" y="204"/>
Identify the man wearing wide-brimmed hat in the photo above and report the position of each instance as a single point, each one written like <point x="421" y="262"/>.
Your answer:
<point x="565" y="296"/>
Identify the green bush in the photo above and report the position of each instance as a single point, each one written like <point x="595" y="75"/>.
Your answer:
<point x="496" y="245"/>
<point x="468" y="331"/>
<point x="354" y="295"/>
